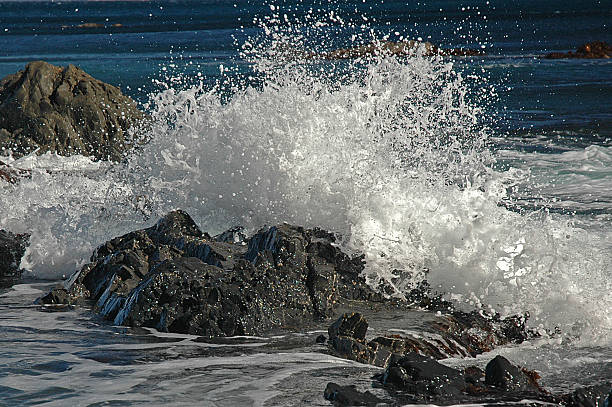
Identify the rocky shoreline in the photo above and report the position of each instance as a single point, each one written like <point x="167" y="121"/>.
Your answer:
<point x="175" y="278"/>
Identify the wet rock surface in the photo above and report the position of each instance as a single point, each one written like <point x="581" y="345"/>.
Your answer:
<point x="12" y="249"/>
<point x="64" y="110"/>
<point x="455" y="333"/>
<point x="350" y="396"/>
<point x="418" y="379"/>
<point x="590" y="50"/>
<point x="173" y="277"/>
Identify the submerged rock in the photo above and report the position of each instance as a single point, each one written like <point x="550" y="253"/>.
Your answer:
<point x="590" y="50"/>
<point x="173" y="277"/>
<point x="423" y="377"/>
<point x="504" y="375"/>
<point x="446" y="335"/>
<point x="413" y="378"/>
<point x="64" y="110"/>
<point x="350" y="396"/>
<point x="12" y="249"/>
<point x="426" y="380"/>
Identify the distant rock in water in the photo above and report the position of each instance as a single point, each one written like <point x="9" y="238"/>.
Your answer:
<point x="65" y="110"/>
<point x="12" y="248"/>
<point x="398" y="48"/>
<point x="590" y="50"/>
<point x="173" y="277"/>
<point x="90" y="25"/>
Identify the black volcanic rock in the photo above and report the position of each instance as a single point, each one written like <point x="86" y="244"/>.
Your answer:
<point x="173" y="277"/>
<point x="423" y="377"/>
<point x="504" y="375"/>
<point x="12" y="249"/>
<point x="455" y="333"/>
<point x="591" y="396"/>
<point x="64" y="110"/>
<point x="350" y="396"/>
<point x="352" y="325"/>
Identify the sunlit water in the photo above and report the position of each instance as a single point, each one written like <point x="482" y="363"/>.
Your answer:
<point x="397" y="156"/>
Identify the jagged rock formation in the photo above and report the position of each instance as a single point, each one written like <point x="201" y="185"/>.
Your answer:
<point x="418" y="379"/>
<point x="412" y="374"/>
<point x="64" y="110"/>
<point x="174" y="277"/>
<point x="590" y="50"/>
<point x="12" y="248"/>
<point x="454" y="333"/>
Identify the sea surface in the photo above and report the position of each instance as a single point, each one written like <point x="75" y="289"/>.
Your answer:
<point x="489" y="176"/>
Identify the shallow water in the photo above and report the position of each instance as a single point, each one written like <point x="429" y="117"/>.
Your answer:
<point x="60" y="357"/>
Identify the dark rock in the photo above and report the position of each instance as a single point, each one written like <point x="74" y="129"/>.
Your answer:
<point x="350" y="396"/>
<point x="454" y="334"/>
<point x="504" y="375"/>
<point x="592" y="396"/>
<point x="424" y="377"/>
<point x="590" y="50"/>
<point x="414" y="378"/>
<point x="473" y="375"/>
<point x="321" y="339"/>
<point x="12" y="249"/>
<point x="173" y="277"/>
<point x="233" y="235"/>
<point x="352" y="325"/>
<point x="59" y="296"/>
<point x="64" y="110"/>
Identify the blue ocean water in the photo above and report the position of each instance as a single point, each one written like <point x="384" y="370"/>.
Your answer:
<point x="501" y="184"/>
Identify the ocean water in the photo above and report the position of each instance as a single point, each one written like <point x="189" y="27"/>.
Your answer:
<point x="493" y="173"/>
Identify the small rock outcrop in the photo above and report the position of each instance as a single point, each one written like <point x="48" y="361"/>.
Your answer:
<point x="12" y="248"/>
<point x="64" y="110"/>
<point x="503" y="375"/>
<point x="350" y="396"/>
<point x="418" y="379"/>
<point x="173" y="277"/>
<point x="590" y="50"/>
<point x="426" y="380"/>
<point x="454" y="334"/>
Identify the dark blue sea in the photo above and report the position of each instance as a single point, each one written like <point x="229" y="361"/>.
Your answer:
<point x="493" y="172"/>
